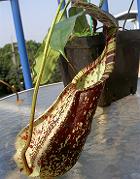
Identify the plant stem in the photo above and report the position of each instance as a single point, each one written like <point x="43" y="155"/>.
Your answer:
<point x="10" y="87"/>
<point x="91" y="21"/>
<point x="45" y="53"/>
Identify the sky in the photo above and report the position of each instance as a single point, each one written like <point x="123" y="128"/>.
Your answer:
<point x="37" y="16"/>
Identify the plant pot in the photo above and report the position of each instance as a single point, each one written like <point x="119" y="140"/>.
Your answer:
<point x="123" y="80"/>
<point x="80" y="52"/>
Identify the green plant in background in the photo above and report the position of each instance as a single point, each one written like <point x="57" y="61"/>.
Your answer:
<point x="10" y="68"/>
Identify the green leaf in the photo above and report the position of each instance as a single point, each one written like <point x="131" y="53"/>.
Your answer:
<point x="50" y="64"/>
<point x="81" y="26"/>
<point x="62" y="32"/>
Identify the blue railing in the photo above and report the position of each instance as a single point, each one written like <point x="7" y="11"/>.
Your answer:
<point x="21" y="44"/>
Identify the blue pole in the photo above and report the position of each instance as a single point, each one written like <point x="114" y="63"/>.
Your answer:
<point x="105" y="6"/>
<point x="138" y="6"/>
<point x="21" y="44"/>
<point x="63" y="3"/>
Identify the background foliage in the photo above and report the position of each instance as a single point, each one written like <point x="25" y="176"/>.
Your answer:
<point x="12" y="73"/>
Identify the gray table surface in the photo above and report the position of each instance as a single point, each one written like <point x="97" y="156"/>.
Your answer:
<point x="112" y="150"/>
